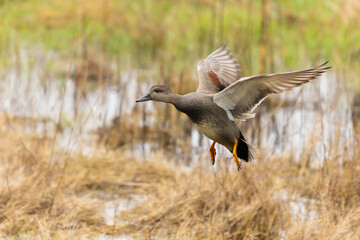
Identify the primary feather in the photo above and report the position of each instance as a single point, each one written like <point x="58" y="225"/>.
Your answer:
<point x="244" y="95"/>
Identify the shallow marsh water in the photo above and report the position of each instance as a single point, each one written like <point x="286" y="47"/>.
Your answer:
<point x="320" y="109"/>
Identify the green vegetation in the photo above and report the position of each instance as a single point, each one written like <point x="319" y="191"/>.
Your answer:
<point x="180" y="32"/>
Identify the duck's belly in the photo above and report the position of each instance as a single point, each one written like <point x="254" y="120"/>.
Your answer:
<point x="215" y="133"/>
<point x="208" y="130"/>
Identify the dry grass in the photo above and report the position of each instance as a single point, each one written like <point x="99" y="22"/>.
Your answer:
<point x="274" y="198"/>
<point x="268" y="200"/>
<point x="36" y="199"/>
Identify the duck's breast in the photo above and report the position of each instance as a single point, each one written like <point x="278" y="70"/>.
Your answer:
<point x="210" y="119"/>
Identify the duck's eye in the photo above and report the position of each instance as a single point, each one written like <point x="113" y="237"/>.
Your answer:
<point x="158" y="90"/>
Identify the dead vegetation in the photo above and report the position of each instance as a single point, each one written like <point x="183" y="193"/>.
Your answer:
<point x="276" y="198"/>
<point x="51" y="194"/>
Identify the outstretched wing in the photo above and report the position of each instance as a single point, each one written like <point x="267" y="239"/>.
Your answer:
<point x="217" y="71"/>
<point x="243" y="96"/>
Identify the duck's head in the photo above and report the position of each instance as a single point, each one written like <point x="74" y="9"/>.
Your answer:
<point x="158" y="93"/>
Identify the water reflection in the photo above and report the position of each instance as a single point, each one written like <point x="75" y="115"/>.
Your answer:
<point x="316" y="112"/>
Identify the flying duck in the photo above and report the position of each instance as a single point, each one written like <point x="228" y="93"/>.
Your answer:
<point x="223" y="96"/>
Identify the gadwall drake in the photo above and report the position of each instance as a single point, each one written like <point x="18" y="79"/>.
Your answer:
<point x="223" y="96"/>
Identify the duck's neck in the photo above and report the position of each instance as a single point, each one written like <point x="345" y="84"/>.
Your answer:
<point x="174" y="99"/>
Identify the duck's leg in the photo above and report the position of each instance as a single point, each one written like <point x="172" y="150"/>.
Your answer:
<point x="212" y="152"/>
<point x="235" y="155"/>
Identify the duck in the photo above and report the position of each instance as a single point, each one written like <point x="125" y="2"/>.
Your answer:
<point x="223" y="96"/>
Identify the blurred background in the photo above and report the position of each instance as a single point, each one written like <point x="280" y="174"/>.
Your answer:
<point x="81" y="159"/>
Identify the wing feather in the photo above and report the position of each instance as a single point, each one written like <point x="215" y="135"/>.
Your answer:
<point x="222" y="64"/>
<point x="244" y="95"/>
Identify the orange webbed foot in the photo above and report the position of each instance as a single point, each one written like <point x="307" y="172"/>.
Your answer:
<point x="235" y="156"/>
<point x="212" y="153"/>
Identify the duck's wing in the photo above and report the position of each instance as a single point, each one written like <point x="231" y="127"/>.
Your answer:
<point x="217" y="71"/>
<point x="243" y="96"/>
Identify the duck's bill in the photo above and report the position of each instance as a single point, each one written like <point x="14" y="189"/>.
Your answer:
<point x="144" y="98"/>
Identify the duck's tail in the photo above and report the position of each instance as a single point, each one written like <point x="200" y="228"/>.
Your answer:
<point x="245" y="150"/>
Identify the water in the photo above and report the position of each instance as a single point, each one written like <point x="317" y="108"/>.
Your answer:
<point x="320" y="109"/>
<point x="320" y="114"/>
<point x="116" y="205"/>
